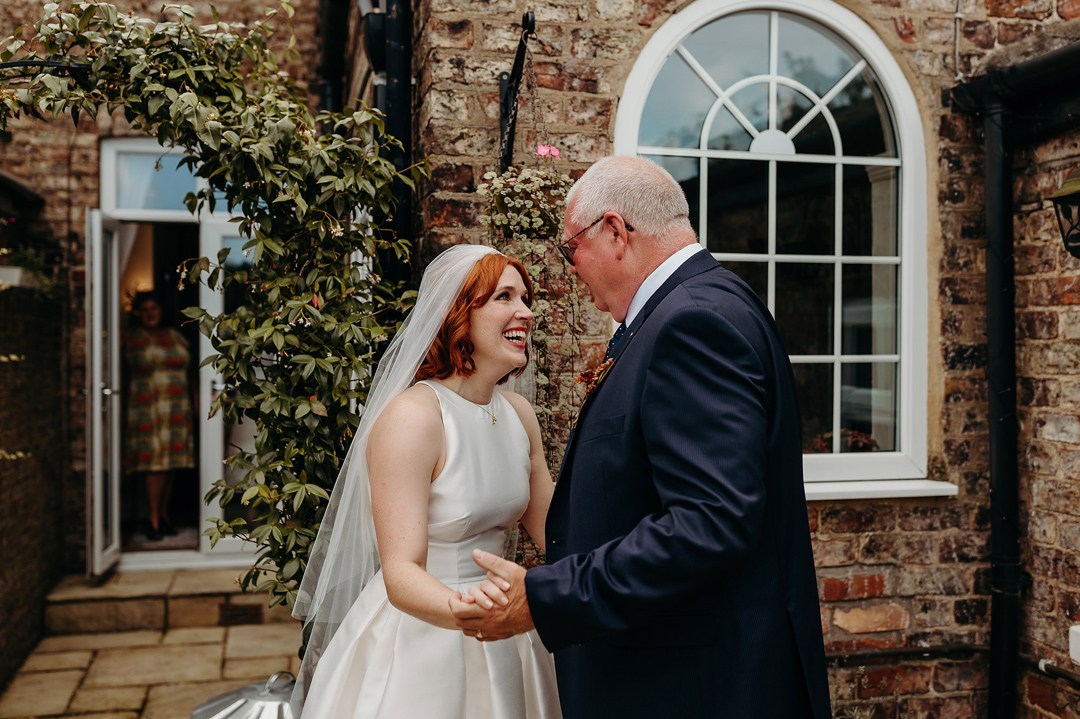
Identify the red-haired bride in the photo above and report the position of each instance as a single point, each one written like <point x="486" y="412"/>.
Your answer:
<point x="443" y="463"/>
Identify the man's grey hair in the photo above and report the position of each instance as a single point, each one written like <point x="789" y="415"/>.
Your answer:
<point x="644" y="193"/>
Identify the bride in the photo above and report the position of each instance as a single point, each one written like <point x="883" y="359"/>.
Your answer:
<point x="442" y="464"/>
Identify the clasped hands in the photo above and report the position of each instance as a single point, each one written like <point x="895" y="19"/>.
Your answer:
<point x="496" y="608"/>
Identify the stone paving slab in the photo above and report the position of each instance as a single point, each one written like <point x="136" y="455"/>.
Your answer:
<point x="176" y="701"/>
<point x="119" y="586"/>
<point x="195" y="635"/>
<point x="39" y="693"/>
<point x="195" y="611"/>
<point x="262" y="640"/>
<point x="49" y="662"/>
<point x="214" y="581"/>
<point x="110" y="615"/>
<point x="108" y="699"/>
<point x="155" y="665"/>
<point x="107" y="640"/>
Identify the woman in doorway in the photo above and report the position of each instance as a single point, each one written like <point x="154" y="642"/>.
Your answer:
<point x="158" y="430"/>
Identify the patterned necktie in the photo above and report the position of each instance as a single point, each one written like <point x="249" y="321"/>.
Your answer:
<point x="614" y="341"/>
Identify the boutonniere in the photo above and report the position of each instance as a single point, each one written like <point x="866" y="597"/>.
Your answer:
<point x="591" y="377"/>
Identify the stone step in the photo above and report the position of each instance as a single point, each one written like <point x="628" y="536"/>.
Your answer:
<point x="156" y="601"/>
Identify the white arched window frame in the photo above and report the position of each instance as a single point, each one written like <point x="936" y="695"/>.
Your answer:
<point x="899" y="473"/>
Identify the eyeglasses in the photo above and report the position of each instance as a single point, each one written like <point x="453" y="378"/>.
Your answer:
<point x="567" y="253"/>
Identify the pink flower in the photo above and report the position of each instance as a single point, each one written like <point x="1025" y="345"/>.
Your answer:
<point x="547" y="151"/>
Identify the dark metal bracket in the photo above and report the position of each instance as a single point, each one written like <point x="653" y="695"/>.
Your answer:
<point x="509" y="84"/>
<point x="78" y="70"/>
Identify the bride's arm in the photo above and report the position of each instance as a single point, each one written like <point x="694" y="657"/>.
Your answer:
<point x="405" y="451"/>
<point x="540" y="485"/>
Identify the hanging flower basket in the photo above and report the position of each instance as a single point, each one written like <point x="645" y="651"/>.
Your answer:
<point x="525" y="204"/>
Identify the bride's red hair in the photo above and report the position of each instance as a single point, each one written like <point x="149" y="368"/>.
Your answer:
<point x="452" y="350"/>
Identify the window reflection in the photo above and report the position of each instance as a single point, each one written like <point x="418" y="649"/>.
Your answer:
<point x="676" y="108"/>
<point x="151" y="182"/>
<point x="805" y="208"/>
<point x="868" y="407"/>
<point x="738" y="206"/>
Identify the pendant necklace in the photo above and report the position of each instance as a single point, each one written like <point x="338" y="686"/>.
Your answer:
<point x="488" y="413"/>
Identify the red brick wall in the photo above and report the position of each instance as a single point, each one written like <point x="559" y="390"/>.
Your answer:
<point x="61" y="162"/>
<point x="1048" y="330"/>
<point x="892" y="573"/>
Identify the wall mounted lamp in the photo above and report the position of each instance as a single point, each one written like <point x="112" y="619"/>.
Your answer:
<point x="1067" y="204"/>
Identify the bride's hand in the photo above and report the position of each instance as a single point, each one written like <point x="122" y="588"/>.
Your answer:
<point x="488" y="593"/>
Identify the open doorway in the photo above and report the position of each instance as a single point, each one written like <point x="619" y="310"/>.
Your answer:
<point x="160" y="491"/>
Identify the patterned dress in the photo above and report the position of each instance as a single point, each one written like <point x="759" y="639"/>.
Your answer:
<point x="158" y="434"/>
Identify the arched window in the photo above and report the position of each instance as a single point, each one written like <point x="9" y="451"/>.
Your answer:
<point x="798" y="142"/>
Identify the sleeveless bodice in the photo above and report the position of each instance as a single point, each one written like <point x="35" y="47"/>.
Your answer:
<point x="483" y="488"/>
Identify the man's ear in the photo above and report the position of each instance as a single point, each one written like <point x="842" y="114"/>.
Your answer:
<point x="615" y="223"/>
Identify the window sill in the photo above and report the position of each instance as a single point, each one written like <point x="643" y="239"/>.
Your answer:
<point x="878" y="489"/>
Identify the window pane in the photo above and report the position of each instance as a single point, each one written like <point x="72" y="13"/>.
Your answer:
<point x="805" y="208"/>
<point x="753" y="102"/>
<point x="869" y="310"/>
<point x="870" y="210"/>
<point x="812" y="55"/>
<point x="139" y="186"/>
<point x="685" y="170"/>
<point x="868" y="407"/>
<point x="804" y="307"/>
<point x="863" y="118"/>
<point x="727" y="133"/>
<point x="676" y="108"/>
<point x="732" y="48"/>
<point x="813" y="139"/>
<point x="815" y="385"/>
<point x="738" y="206"/>
<point x="755" y="274"/>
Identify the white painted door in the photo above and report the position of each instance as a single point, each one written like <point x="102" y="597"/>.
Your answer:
<point x="103" y="399"/>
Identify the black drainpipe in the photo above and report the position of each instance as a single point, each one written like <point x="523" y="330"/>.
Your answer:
<point x="1014" y="109"/>
<point x="1004" y="430"/>
<point x="334" y="23"/>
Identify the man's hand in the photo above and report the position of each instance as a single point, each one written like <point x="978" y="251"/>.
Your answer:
<point x="497" y="608"/>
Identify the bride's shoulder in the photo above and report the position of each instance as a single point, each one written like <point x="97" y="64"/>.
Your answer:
<point x="416" y="408"/>
<point x="418" y="398"/>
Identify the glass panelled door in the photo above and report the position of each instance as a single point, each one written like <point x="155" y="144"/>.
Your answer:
<point x="103" y="396"/>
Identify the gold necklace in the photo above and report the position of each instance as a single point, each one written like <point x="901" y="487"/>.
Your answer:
<point x="489" y="414"/>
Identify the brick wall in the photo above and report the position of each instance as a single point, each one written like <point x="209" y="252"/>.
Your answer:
<point x="31" y="421"/>
<point x="61" y="162"/>
<point x="1048" y="335"/>
<point x="893" y="574"/>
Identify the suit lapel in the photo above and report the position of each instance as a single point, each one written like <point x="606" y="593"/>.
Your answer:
<point x="695" y="265"/>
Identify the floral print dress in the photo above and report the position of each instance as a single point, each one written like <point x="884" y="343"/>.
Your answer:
<point x="158" y="433"/>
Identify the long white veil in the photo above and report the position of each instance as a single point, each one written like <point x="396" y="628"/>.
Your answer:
<point x="345" y="556"/>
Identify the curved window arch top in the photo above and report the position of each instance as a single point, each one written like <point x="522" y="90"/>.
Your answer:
<point x="806" y="180"/>
<point x="768" y="83"/>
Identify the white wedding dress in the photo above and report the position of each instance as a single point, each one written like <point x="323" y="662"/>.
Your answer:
<point x="385" y="664"/>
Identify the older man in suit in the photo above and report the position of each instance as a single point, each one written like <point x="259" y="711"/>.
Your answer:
<point x="679" y="578"/>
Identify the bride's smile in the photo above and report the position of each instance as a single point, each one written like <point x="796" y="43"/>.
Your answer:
<point x="499" y="328"/>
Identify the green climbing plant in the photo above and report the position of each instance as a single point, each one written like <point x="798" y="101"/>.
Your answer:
<point x="295" y="356"/>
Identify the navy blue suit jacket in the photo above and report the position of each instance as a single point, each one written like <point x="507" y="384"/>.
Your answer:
<point x="680" y="579"/>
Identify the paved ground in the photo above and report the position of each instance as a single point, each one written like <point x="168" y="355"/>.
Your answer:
<point x="147" y="674"/>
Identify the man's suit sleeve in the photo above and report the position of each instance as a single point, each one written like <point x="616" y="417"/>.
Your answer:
<point x="704" y="416"/>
